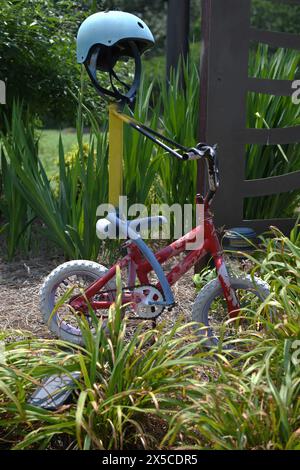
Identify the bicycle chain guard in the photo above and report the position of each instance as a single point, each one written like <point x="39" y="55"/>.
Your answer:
<point x="149" y="308"/>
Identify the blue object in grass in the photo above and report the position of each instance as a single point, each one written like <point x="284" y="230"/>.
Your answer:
<point x="54" y="391"/>
<point x="240" y="239"/>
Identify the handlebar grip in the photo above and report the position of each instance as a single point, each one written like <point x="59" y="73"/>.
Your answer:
<point x="193" y="154"/>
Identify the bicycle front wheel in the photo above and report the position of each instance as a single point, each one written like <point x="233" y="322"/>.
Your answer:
<point x="210" y="310"/>
<point x="72" y="277"/>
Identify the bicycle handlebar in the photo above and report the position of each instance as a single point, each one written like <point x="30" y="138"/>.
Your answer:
<point x="209" y="153"/>
<point x="202" y="150"/>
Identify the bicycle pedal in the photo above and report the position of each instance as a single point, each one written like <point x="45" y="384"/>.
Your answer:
<point x="171" y="307"/>
<point x="123" y="250"/>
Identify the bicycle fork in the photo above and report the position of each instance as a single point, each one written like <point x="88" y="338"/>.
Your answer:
<point x="232" y="301"/>
<point x="216" y="250"/>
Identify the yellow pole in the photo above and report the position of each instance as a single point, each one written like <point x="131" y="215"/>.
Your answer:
<point x="115" y="155"/>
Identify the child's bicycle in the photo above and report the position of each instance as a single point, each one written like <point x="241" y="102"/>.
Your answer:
<point x="105" y="39"/>
<point x="95" y="285"/>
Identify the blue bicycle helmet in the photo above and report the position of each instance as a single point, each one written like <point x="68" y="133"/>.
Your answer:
<point x="103" y="39"/>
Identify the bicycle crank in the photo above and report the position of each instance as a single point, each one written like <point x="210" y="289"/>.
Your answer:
<point x="148" y="308"/>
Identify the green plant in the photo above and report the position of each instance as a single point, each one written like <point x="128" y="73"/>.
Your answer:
<point x="251" y="400"/>
<point x="48" y="142"/>
<point x="179" y="119"/>
<point x="142" y="378"/>
<point x="141" y="157"/>
<point x="157" y="389"/>
<point x="206" y="275"/>
<point x="150" y="174"/>
<point x="35" y="44"/>
<point x="274" y="15"/>
<point x="249" y="403"/>
<point x="279" y="263"/>
<point x="70" y="216"/>
<point x="17" y="213"/>
<point x="124" y="384"/>
<point x="83" y="187"/>
<point x="179" y="112"/>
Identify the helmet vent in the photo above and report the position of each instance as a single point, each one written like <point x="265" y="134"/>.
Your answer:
<point x="140" y="25"/>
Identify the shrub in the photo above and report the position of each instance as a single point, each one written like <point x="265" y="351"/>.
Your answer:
<point x="38" y="44"/>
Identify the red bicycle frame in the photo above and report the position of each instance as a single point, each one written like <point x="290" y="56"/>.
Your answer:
<point x="138" y="267"/>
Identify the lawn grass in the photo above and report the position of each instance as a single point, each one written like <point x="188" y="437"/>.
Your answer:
<point x="48" y="147"/>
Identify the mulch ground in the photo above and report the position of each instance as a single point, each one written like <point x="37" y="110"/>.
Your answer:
<point x="20" y="282"/>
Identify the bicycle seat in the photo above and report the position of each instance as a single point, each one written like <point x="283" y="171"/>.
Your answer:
<point x="107" y="229"/>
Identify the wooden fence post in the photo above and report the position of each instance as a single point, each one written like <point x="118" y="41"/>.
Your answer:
<point x="178" y="26"/>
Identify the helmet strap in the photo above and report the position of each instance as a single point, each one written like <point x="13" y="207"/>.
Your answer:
<point x="114" y="75"/>
<point x="91" y="68"/>
<point x="127" y="98"/>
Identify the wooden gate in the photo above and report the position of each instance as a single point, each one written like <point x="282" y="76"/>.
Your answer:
<point x="227" y="35"/>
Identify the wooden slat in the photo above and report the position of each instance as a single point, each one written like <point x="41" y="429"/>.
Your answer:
<point x="260" y="226"/>
<point x="272" y="185"/>
<point x="276" y="39"/>
<point x="286" y="135"/>
<point x="270" y="87"/>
